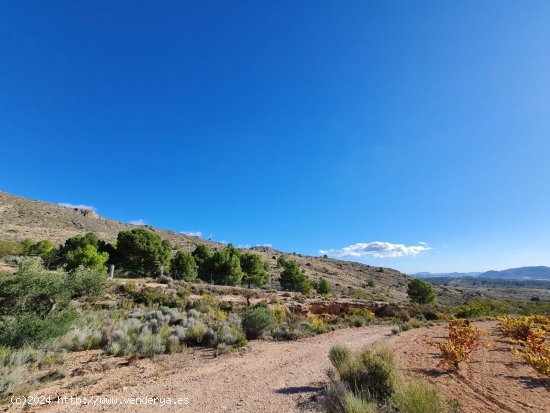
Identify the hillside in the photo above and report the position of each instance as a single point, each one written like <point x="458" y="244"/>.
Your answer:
<point x="22" y="218"/>
<point x="536" y="273"/>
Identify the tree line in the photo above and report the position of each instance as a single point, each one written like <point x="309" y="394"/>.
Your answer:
<point x="142" y="252"/>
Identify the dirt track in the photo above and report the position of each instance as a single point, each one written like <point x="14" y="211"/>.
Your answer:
<point x="270" y="377"/>
<point x="284" y="376"/>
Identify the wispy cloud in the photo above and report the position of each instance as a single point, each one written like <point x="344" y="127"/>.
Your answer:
<point x="377" y="249"/>
<point x="248" y="246"/>
<point x="137" y="222"/>
<point x="80" y="206"/>
<point x="192" y="233"/>
<point x="264" y="245"/>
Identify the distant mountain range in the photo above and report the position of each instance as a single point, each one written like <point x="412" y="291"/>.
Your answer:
<point x="521" y="273"/>
<point x="446" y="274"/>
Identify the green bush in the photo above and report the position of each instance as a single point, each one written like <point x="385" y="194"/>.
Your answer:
<point x="196" y="334"/>
<point x="257" y="320"/>
<point x="370" y="375"/>
<point x="156" y="297"/>
<point x="8" y="248"/>
<point x="323" y="287"/>
<point x="86" y="282"/>
<point x="369" y="381"/>
<point x="418" y="396"/>
<point x="482" y="308"/>
<point x="35" y="303"/>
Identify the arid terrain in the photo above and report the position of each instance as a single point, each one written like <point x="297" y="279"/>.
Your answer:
<point x="22" y="218"/>
<point x="280" y="377"/>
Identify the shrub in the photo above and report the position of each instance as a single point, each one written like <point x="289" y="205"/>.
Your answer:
<point x="369" y="381"/>
<point x="516" y="328"/>
<point x="359" y="316"/>
<point x="370" y="375"/>
<point x="482" y="308"/>
<point x="536" y="351"/>
<point x="207" y="303"/>
<point x="86" y="282"/>
<point x="257" y="320"/>
<point x="156" y="296"/>
<point x="420" y="292"/>
<point x="34" y="306"/>
<point x="149" y="344"/>
<point x="318" y="325"/>
<point x="279" y="312"/>
<point x="404" y="326"/>
<point x="8" y="248"/>
<point x="418" y="396"/>
<point x="463" y="340"/>
<point x="196" y="334"/>
<point x="323" y="287"/>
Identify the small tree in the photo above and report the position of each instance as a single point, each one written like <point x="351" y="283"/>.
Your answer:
<point x="323" y="287"/>
<point x="81" y="250"/>
<point x="201" y="255"/>
<point x="255" y="270"/>
<point x="143" y="251"/>
<point x="87" y="257"/>
<point x="223" y="267"/>
<point x="44" y="249"/>
<point x="34" y="306"/>
<point x="293" y="278"/>
<point x="420" y="292"/>
<point x="183" y="266"/>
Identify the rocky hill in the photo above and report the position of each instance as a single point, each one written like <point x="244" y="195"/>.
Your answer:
<point x="22" y="218"/>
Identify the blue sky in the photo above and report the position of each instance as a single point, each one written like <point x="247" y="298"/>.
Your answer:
<point x="414" y="135"/>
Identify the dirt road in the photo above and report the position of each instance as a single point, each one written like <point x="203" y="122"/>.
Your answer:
<point x="280" y="377"/>
<point x="270" y="377"/>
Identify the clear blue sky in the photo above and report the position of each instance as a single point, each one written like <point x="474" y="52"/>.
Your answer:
<point x="424" y="126"/>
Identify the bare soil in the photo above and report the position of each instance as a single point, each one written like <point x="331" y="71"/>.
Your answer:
<point x="495" y="380"/>
<point x="289" y="376"/>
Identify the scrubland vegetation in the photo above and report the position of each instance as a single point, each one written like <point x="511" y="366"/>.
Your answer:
<point x="59" y="299"/>
<point x="370" y="381"/>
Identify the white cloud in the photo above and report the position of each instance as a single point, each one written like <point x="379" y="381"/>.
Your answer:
<point x="192" y="233"/>
<point x="422" y="243"/>
<point x="248" y="246"/>
<point x="377" y="249"/>
<point x="140" y="222"/>
<point x="80" y="206"/>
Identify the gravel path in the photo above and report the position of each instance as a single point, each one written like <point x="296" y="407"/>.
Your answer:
<point x="273" y="377"/>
